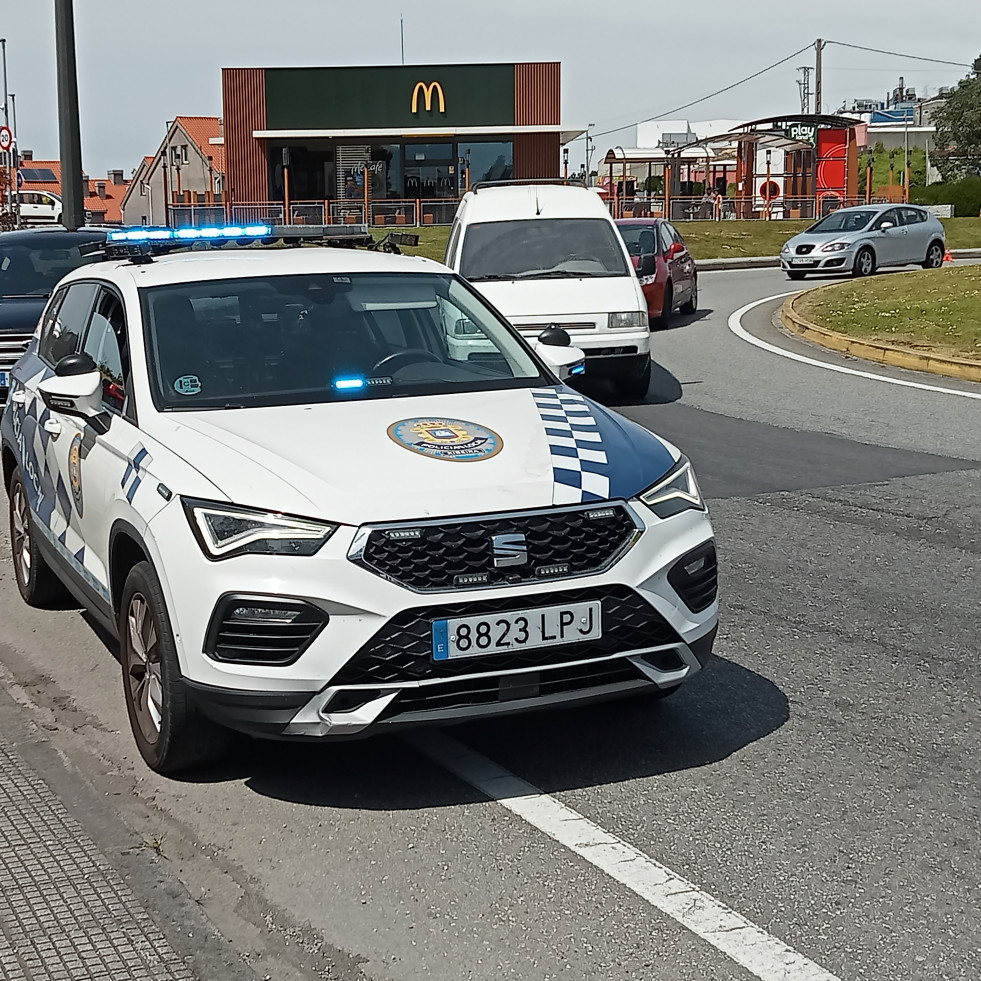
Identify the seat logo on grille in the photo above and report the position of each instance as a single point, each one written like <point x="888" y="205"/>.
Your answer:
<point x="509" y="550"/>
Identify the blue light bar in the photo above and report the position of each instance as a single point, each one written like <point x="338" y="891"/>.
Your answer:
<point x="577" y="369"/>
<point x="348" y="384"/>
<point x="212" y="233"/>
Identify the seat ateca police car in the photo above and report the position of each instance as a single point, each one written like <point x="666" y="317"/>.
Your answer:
<point x="306" y="512"/>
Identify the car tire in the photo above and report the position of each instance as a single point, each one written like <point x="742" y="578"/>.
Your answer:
<point x="692" y="305"/>
<point x="795" y="275"/>
<point x="635" y="386"/>
<point x="864" y="264"/>
<point x="170" y="733"/>
<point x="935" y="256"/>
<point x="667" y="307"/>
<point x="36" y="580"/>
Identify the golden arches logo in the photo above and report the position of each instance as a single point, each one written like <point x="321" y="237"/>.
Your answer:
<point x="427" y="92"/>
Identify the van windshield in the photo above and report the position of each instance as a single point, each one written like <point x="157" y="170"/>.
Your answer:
<point x="542" y="248"/>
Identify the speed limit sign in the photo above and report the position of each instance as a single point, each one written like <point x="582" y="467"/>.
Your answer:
<point x="6" y="138"/>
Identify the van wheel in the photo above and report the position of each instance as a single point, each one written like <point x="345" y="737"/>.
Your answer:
<point x="38" y="584"/>
<point x="170" y="733"/>
<point x="635" y="386"/>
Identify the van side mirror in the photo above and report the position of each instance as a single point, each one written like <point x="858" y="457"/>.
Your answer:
<point x="646" y="267"/>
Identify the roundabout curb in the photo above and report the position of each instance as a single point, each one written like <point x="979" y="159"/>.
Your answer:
<point x="889" y="354"/>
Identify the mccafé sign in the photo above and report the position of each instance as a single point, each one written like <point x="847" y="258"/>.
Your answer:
<point x="427" y="92"/>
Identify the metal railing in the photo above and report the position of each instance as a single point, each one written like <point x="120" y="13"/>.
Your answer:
<point x="391" y="212"/>
<point x="196" y="215"/>
<point x="307" y="213"/>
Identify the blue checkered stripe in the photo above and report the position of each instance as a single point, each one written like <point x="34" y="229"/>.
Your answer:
<point x="580" y="468"/>
<point x="135" y="471"/>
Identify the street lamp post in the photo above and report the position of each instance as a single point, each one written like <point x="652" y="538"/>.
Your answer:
<point x="73" y="212"/>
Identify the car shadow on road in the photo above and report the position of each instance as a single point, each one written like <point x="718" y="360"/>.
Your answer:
<point x="680" y="320"/>
<point x="664" y="389"/>
<point x="721" y="711"/>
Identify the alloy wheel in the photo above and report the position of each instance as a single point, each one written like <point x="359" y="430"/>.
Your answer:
<point x="935" y="257"/>
<point x="21" y="534"/>
<point x="143" y="674"/>
<point x="865" y="263"/>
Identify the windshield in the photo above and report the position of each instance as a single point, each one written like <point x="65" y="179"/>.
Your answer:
<point x="640" y="239"/>
<point x="842" y="221"/>
<point x="542" y="248"/>
<point x="290" y="340"/>
<point x="34" y="268"/>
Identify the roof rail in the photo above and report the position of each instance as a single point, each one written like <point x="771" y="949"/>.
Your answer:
<point x="528" y="181"/>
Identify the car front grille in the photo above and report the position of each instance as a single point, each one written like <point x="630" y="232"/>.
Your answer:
<point x="538" y="328"/>
<point x="610" y="352"/>
<point x="12" y="346"/>
<point x="402" y="650"/>
<point x="558" y="543"/>
<point x="493" y="690"/>
<point x="695" y="577"/>
<point x="805" y="249"/>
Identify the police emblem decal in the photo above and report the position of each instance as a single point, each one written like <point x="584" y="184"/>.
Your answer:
<point x="446" y="439"/>
<point x="75" y="471"/>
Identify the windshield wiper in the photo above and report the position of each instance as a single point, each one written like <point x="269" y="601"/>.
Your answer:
<point x="489" y="277"/>
<point x="552" y="274"/>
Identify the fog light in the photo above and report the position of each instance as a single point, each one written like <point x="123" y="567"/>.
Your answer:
<point x="264" y="613"/>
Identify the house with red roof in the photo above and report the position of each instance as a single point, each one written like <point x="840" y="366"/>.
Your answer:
<point x="184" y="179"/>
<point x="103" y="198"/>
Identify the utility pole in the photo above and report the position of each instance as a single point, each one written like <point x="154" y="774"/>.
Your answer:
<point x="818" y="48"/>
<point x="73" y="211"/>
<point x="805" y="89"/>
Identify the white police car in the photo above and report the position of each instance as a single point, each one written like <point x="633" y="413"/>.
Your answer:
<point x="305" y="513"/>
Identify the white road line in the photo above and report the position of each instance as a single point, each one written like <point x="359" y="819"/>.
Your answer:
<point x="763" y="955"/>
<point x="736" y="326"/>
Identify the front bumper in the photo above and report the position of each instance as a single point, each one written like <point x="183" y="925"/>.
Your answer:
<point x="818" y="261"/>
<point x="369" y="668"/>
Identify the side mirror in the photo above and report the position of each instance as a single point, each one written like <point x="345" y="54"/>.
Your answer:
<point x="566" y="362"/>
<point x="555" y="336"/>
<point x="676" y="249"/>
<point x="646" y="267"/>
<point x="76" y="388"/>
<point x="886" y="225"/>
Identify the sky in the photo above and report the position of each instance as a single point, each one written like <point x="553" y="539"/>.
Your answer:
<point x="142" y="63"/>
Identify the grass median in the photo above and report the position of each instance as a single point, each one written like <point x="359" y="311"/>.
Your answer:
<point x="935" y="311"/>
<point x="721" y="239"/>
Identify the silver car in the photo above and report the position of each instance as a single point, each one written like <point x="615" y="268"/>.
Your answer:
<point x="859" y="240"/>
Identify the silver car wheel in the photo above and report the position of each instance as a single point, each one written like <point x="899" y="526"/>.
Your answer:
<point x="935" y="257"/>
<point x="143" y="672"/>
<point x="866" y="263"/>
<point x="21" y="528"/>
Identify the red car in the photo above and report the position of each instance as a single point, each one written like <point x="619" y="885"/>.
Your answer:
<point x="673" y="283"/>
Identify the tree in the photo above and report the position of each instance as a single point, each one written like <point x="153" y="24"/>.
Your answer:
<point x="958" y="123"/>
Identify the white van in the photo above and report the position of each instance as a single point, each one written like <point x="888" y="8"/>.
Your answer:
<point x="39" y="207"/>
<point x="548" y="254"/>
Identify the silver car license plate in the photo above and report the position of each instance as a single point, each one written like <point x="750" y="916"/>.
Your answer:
<point x="802" y="262"/>
<point x="518" y="630"/>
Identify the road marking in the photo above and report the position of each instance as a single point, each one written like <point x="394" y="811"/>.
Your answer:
<point x="736" y="326"/>
<point x="760" y="953"/>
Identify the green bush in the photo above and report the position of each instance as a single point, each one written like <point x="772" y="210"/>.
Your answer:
<point x="964" y="195"/>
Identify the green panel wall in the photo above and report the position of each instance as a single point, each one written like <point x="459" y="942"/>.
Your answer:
<point x="362" y="98"/>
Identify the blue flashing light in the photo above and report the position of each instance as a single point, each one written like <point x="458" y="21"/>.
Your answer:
<point x="143" y="233"/>
<point x="349" y="384"/>
<point x="577" y="369"/>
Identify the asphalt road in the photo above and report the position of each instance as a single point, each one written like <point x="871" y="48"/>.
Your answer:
<point x="820" y="778"/>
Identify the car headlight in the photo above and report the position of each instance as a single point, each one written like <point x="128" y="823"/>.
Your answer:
<point x="834" y="247"/>
<point x="624" y="321"/>
<point x="675" y="492"/>
<point x="223" y="530"/>
<point x="786" y="247"/>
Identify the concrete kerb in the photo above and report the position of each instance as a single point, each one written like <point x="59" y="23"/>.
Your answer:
<point x="889" y="354"/>
<point x="773" y="261"/>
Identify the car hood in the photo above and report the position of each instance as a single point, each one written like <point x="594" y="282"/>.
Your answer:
<point x="817" y="241"/>
<point x="349" y="462"/>
<point x="20" y="314"/>
<point x="557" y="299"/>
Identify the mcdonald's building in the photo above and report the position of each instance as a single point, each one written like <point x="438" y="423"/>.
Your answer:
<point x="400" y="142"/>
